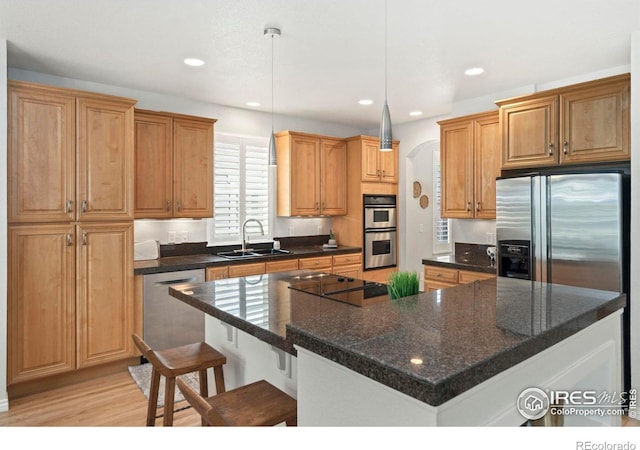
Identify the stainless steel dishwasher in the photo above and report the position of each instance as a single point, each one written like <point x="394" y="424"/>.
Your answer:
<point x="167" y="321"/>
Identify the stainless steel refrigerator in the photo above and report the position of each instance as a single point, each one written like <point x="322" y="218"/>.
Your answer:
<point x="572" y="225"/>
<point x="567" y="228"/>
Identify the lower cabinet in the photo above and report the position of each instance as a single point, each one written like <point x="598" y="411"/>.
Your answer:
<point x="283" y="265"/>
<point x="71" y="302"/>
<point x="217" y="273"/>
<point x="379" y="275"/>
<point x="248" y="269"/>
<point x="321" y="263"/>
<point x="349" y="265"/>
<point x="436" y="277"/>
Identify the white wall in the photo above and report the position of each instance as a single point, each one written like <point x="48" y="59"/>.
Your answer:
<point x="4" y="402"/>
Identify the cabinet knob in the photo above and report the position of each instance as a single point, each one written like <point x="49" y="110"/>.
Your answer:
<point x="84" y="238"/>
<point x="84" y="206"/>
<point x="179" y="205"/>
<point x="565" y="147"/>
<point x="477" y="206"/>
<point x="384" y="173"/>
<point x="69" y="206"/>
<point x="69" y="240"/>
<point x="551" y="148"/>
<point x="378" y="172"/>
<point x="468" y="206"/>
<point x="168" y="205"/>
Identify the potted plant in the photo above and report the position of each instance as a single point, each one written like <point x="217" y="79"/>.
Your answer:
<point x="403" y="284"/>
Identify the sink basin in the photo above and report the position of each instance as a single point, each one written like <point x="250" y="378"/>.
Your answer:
<point x="237" y="255"/>
<point x="253" y="253"/>
<point x="270" y="251"/>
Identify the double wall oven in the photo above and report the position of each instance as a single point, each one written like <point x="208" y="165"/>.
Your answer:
<point x="379" y="231"/>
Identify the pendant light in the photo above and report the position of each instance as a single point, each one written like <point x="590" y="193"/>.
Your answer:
<point x="273" y="161"/>
<point x="386" y="144"/>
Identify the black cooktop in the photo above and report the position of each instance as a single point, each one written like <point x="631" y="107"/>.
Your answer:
<point x="340" y="288"/>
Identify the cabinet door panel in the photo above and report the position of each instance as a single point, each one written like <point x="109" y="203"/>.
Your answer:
<point x="529" y="133"/>
<point x="193" y="168"/>
<point x="41" y="156"/>
<point x="487" y="166"/>
<point x="389" y="165"/>
<point x="334" y="177"/>
<point x="305" y="176"/>
<point x="456" y="150"/>
<point x="153" y="195"/>
<point x="41" y="308"/>
<point x="105" y="160"/>
<point x="105" y="307"/>
<point x="595" y="124"/>
<point x="370" y="161"/>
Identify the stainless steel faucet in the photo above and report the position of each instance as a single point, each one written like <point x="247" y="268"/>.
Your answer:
<point x="244" y="232"/>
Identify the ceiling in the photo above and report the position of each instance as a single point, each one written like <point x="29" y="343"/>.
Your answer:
<point x="331" y="53"/>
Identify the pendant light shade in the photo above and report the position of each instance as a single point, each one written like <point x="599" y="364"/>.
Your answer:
<point x="273" y="160"/>
<point x="386" y="144"/>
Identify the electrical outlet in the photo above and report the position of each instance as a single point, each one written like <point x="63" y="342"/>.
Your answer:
<point x="171" y="237"/>
<point x="291" y="232"/>
<point x="183" y="236"/>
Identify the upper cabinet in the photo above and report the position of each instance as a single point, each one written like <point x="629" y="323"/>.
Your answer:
<point x="70" y="155"/>
<point x="378" y="166"/>
<point x="173" y="165"/>
<point x="470" y="163"/>
<point x="583" y="123"/>
<point x="312" y="175"/>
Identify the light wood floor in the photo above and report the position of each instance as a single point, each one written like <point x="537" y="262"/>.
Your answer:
<point x="111" y="401"/>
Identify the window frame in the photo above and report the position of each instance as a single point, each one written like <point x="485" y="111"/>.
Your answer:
<point x="439" y="247"/>
<point x="244" y="141"/>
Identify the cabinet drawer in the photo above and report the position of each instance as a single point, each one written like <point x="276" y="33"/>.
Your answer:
<point x="441" y="274"/>
<point x="322" y="262"/>
<point x="467" y="276"/>
<point x="243" y="270"/>
<point x="430" y="285"/>
<point x="217" y="273"/>
<point x="352" y="271"/>
<point x="282" y="265"/>
<point x="344" y="260"/>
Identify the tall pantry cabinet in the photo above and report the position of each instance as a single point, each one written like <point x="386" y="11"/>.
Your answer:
<point x="70" y="217"/>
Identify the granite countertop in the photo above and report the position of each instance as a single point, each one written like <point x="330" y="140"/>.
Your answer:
<point x="461" y="336"/>
<point x="466" y="257"/>
<point x="203" y="260"/>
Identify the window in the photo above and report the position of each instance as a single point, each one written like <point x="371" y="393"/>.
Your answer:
<point x="241" y="189"/>
<point x="442" y="231"/>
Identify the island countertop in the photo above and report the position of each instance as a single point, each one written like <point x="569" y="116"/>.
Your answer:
<point x="432" y="346"/>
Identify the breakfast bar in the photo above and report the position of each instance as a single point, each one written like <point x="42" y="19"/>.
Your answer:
<point x="353" y="357"/>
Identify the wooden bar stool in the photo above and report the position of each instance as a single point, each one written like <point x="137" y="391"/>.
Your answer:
<point x="173" y="362"/>
<point x="256" y="404"/>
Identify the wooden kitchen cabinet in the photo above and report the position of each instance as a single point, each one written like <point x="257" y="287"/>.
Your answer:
<point x="312" y="175"/>
<point x="438" y="277"/>
<point x="583" y="123"/>
<point x="378" y="166"/>
<point x="281" y="265"/>
<point x="247" y="269"/>
<point x="470" y="163"/>
<point x="173" y="165"/>
<point x="217" y="273"/>
<point x="348" y="265"/>
<point x="75" y="307"/>
<point x="70" y="155"/>
<point x="321" y="263"/>
<point x="104" y="294"/>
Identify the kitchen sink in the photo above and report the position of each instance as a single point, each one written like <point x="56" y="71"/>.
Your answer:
<point x="253" y="253"/>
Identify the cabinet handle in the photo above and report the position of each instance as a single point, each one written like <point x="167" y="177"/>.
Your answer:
<point x="69" y="206"/>
<point x="468" y="206"/>
<point x="168" y="205"/>
<point x="69" y="240"/>
<point x="179" y="205"/>
<point x="551" y="148"/>
<point x="317" y="205"/>
<point x="84" y="206"/>
<point x="84" y="238"/>
<point x="565" y="148"/>
<point x="477" y="206"/>
<point x="384" y="173"/>
<point x="378" y="172"/>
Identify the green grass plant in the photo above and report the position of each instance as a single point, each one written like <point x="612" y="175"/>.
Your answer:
<point x="403" y="284"/>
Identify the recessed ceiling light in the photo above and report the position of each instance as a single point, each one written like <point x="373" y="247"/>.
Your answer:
<point x="365" y="102"/>
<point x="195" y="62"/>
<point x="474" y="71"/>
<point x="253" y="104"/>
<point x="415" y="113"/>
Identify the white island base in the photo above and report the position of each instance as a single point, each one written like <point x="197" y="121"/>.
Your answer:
<point x="329" y="394"/>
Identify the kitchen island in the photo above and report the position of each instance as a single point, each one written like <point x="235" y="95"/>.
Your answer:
<point x="437" y="358"/>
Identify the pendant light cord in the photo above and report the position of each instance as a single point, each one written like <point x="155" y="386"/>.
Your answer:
<point x="385" y="51"/>
<point x="272" y="36"/>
